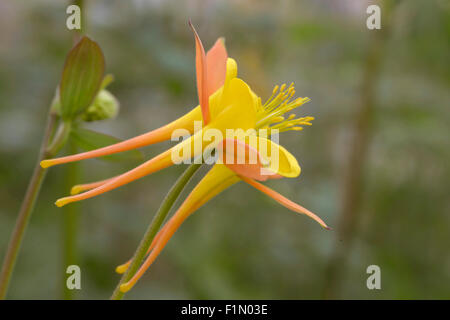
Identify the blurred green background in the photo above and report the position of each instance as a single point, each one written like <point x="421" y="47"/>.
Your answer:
<point x="375" y="163"/>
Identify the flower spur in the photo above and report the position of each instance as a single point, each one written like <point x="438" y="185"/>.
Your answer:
<point x="226" y="102"/>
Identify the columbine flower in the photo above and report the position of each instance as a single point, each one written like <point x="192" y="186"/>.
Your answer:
<point x="226" y="102"/>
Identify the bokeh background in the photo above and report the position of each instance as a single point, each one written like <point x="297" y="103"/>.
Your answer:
<point x="375" y="163"/>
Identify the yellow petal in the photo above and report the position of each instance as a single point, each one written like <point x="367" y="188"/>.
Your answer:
<point x="215" y="181"/>
<point x="281" y="161"/>
<point x="215" y="105"/>
<point x="278" y="160"/>
<point x="232" y="70"/>
<point x="237" y="109"/>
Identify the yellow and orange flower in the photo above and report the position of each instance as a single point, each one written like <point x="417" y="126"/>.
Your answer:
<point x="226" y="102"/>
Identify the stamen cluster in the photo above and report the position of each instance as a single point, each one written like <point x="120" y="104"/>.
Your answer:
<point x="271" y="114"/>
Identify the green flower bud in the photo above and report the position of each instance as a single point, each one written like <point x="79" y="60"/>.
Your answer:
<point x="105" y="106"/>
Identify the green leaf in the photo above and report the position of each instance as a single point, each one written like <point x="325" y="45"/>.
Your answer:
<point x="81" y="78"/>
<point x="89" y="140"/>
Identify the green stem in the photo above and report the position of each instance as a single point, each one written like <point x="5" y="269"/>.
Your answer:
<point x="60" y="138"/>
<point x="71" y="213"/>
<point x="28" y="203"/>
<point x="155" y="225"/>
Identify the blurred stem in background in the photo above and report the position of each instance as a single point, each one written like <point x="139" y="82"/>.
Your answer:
<point x="154" y="226"/>
<point x="69" y="226"/>
<point x="49" y="147"/>
<point x="70" y="218"/>
<point x="353" y="184"/>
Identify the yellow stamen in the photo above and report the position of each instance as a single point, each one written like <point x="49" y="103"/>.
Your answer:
<point x="271" y="114"/>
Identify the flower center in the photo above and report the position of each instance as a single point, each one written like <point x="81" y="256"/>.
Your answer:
<point x="271" y="115"/>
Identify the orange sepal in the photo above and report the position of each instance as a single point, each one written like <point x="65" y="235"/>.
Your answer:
<point x="284" y="201"/>
<point x="216" y="66"/>
<point x="202" y="78"/>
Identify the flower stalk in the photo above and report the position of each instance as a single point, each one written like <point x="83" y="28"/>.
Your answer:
<point x="154" y="226"/>
<point x="49" y="147"/>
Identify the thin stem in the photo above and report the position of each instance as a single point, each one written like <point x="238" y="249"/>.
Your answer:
<point x="28" y="203"/>
<point x="60" y="138"/>
<point x="25" y="210"/>
<point x="154" y="226"/>
<point x="71" y="213"/>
